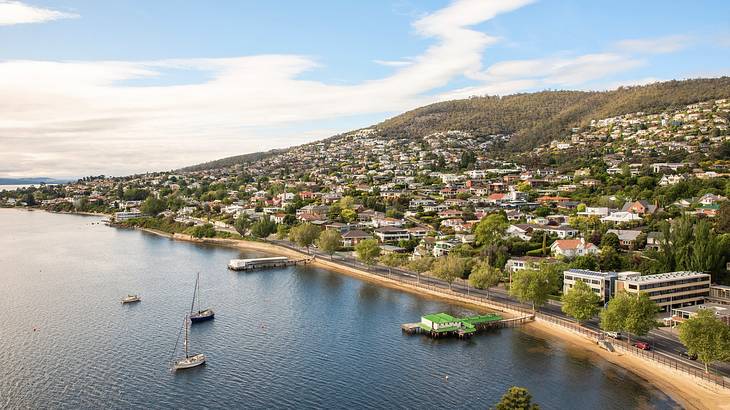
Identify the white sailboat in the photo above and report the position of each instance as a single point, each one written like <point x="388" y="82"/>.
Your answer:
<point x="189" y="360"/>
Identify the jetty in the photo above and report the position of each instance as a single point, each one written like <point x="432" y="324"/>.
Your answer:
<point x="263" y="263"/>
<point x="438" y="325"/>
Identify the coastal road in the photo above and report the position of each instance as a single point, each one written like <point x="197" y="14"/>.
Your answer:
<point x="663" y="342"/>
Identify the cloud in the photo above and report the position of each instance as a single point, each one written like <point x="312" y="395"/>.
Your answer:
<point x="15" y="12"/>
<point x="658" y="45"/>
<point x="393" y="63"/>
<point x="63" y="118"/>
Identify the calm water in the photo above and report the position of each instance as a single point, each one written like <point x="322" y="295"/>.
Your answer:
<point x="299" y="337"/>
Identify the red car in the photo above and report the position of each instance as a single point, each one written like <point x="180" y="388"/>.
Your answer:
<point x="642" y="345"/>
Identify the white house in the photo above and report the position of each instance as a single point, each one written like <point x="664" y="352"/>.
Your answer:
<point x="570" y="248"/>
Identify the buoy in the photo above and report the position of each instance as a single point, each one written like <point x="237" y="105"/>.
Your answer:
<point x="447" y="377"/>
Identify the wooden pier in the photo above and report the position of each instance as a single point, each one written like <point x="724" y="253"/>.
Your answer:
<point x="266" y="263"/>
<point x="442" y="325"/>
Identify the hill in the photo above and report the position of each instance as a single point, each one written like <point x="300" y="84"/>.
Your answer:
<point x="531" y="118"/>
<point x="537" y="118"/>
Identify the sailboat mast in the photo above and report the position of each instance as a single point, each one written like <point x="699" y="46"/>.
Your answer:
<point x="185" y="342"/>
<point x="195" y="291"/>
<point x="198" y="290"/>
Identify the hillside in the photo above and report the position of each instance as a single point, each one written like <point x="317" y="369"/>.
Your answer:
<point x="537" y="118"/>
<point x="532" y="118"/>
<point x="234" y="160"/>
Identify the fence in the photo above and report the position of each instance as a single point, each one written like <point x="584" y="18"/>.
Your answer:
<point x="412" y="279"/>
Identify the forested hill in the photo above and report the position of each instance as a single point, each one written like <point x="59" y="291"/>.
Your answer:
<point x="533" y="118"/>
<point x="537" y="118"/>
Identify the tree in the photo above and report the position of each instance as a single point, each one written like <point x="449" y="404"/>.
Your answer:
<point x="153" y="206"/>
<point x="242" y="223"/>
<point x="449" y="268"/>
<point x="532" y="286"/>
<point x="393" y="260"/>
<point x="421" y="265"/>
<point x="609" y="259"/>
<point x="367" y="251"/>
<point x="490" y="229"/>
<point x="263" y="227"/>
<point x="484" y="276"/>
<point x="329" y="241"/>
<point x="516" y="398"/>
<point x="282" y="231"/>
<point x="304" y="234"/>
<point x="610" y="239"/>
<point x="580" y="302"/>
<point x="722" y="221"/>
<point x="706" y="336"/>
<point x="203" y="231"/>
<point x="629" y="312"/>
<point x="348" y="215"/>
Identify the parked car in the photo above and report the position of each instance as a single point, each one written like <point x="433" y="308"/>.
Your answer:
<point x="686" y="355"/>
<point x="615" y="335"/>
<point x="642" y="345"/>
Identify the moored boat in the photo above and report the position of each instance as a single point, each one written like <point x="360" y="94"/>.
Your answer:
<point x="189" y="360"/>
<point x="131" y="299"/>
<point x="199" y="315"/>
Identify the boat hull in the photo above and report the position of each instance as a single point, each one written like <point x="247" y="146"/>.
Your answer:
<point x="202" y="316"/>
<point x="189" y="362"/>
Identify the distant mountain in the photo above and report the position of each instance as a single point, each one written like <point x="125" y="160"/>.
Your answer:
<point x="31" y="181"/>
<point x="532" y="118"/>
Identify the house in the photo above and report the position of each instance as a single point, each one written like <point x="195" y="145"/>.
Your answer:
<point x="711" y="199"/>
<point x="391" y="234"/>
<point x="570" y="248"/>
<point x="708" y="210"/>
<point x="417" y="232"/>
<point x="353" y="237"/>
<point x="517" y="263"/>
<point x="670" y="180"/>
<point x="640" y="208"/>
<point x="442" y="248"/>
<point x="621" y="217"/>
<point x="626" y="237"/>
<point x="595" y="211"/>
<point x="521" y="231"/>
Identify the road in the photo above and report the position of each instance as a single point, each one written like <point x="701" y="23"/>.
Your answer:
<point x="662" y="341"/>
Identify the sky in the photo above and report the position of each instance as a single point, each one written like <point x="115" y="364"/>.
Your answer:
<point x="92" y="87"/>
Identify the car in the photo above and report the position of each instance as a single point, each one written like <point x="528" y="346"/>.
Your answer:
<point x="642" y="345"/>
<point x="615" y="335"/>
<point x="686" y="355"/>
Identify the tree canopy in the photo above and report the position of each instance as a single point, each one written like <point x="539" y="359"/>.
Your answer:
<point x="706" y="336"/>
<point x="580" y="302"/>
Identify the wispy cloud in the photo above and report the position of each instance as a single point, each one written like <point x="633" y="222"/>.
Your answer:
<point x="658" y="45"/>
<point x="393" y="63"/>
<point x="16" y="12"/>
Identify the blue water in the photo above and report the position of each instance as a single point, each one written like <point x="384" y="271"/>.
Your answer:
<point x="299" y="337"/>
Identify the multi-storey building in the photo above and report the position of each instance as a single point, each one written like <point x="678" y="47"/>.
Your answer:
<point x="669" y="290"/>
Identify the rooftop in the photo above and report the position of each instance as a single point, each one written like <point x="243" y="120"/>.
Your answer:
<point x="586" y="272"/>
<point x="662" y="277"/>
<point x="441" y="318"/>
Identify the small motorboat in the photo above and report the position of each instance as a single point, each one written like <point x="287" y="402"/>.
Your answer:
<point x="189" y="360"/>
<point x="131" y="299"/>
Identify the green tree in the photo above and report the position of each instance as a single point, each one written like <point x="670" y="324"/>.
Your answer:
<point x="304" y="234"/>
<point x="153" y="206"/>
<point x="722" y="221"/>
<point x="630" y="313"/>
<point x="532" y="286"/>
<point x="706" y="336"/>
<point x="329" y="241"/>
<point x="706" y="256"/>
<point x="242" y="223"/>
<point x="282" y="231"/>
<point x="609" y="259"/>
<point x="421" y="265"/>
<point x="263" y="227"/>
<point x="484" y="276"/>
<point x="368" y="251"/>
<point x="449" y="268"/>
<point x="203" y="231"/>
<point x="516" y="398"/>
<point x="348" y="215"/>
<point x="610" y="239"/>
<point x="490" y="229"/>
<point x="580" y="302"/>
<point x="393" y="260"/>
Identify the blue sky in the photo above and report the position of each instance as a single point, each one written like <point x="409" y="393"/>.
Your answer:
<point x="128" y="86"/>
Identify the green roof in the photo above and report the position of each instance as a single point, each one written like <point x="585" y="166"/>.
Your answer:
<point x="440" y="318"/>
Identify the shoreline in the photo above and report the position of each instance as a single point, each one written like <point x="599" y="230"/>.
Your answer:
<point x="684" y="389"/>
<point x="693" y="395"/>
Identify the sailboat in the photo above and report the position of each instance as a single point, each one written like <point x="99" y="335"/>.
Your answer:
<point x="189" y="360"/>
<point x="199" y="315"/>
